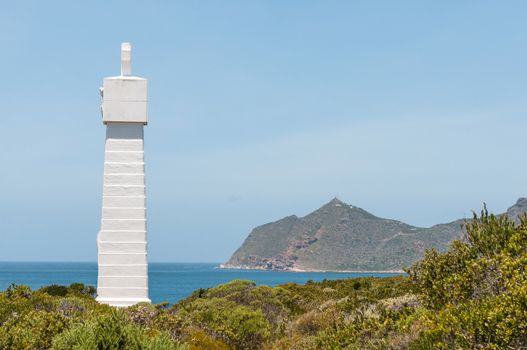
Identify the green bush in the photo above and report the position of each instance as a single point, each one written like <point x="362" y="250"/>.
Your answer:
<point x="18" y="291"/>
<point x="81" y="289"/>
<point x="112" y="332"/>
<point x="477" y="291"/>
<point x="55" y="290"/>
<point x="31" y="330"/>
<point x="237" y="325"/>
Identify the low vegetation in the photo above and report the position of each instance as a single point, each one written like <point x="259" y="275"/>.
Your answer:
<point x="474" y="296"/>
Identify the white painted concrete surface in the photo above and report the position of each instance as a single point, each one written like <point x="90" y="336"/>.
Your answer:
<point x="122" y="242"/>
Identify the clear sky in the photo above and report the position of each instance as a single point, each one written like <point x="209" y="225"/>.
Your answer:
<point x="412" y="110"/>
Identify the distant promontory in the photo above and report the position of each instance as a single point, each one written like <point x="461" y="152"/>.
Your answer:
<point x="343" y="237"/>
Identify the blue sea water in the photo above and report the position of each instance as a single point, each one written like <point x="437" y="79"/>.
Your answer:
<point x="167" y="281"/>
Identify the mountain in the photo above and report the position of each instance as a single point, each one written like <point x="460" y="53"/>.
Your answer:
<point x="340" y="237"/>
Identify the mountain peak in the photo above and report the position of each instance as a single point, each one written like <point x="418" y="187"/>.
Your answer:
<point x="521" y="203"/>
<point x="335" y="201"/>
<point x="519" y="208"/>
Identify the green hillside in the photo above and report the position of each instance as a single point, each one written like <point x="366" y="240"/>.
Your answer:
<point x="339" y="237"/>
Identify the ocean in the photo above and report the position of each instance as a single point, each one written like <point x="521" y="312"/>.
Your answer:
<point x="167" y="281"/>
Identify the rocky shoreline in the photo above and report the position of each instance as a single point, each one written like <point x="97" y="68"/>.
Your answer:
<point x="261" y="268"/>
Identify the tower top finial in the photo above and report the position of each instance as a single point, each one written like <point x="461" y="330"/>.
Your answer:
<point x="126" y="59"/>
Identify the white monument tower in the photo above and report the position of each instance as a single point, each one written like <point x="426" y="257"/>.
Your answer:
<point x="121" y="243"/>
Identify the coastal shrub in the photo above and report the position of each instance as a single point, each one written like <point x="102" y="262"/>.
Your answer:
<point x="172" y="323"/>
<point x="477" y="291"/>
<point x="234" y="287"/>
<point x="142" y="314"/>
<point x="32" y="330"/>
<point x="310" y="296"/>
<point x="71" y="307"/>
<point x="112" y="332"/>
<point x="55" y="290"/>
<point x="379" y="328"/>
<point x="314" y="321"/>
<point x="19" y="299"/>
<point x="235" y="324"/>
<point x="82" y="289"/>
<point x="197" y="339"/>
<point x="18" y="291"/>
<point x="77" y="289"/>
<point x="277" y="304"/>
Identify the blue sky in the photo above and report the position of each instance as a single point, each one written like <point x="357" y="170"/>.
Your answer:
<point x="412" y="110"/>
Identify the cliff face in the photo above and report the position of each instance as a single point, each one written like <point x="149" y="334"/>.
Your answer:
<point x="339" y="237"/>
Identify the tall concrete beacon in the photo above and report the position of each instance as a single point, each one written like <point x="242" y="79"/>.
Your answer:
<point x="121" y="242"/>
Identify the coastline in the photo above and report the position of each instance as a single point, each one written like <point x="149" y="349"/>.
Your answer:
<point x="237" y="267"/>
